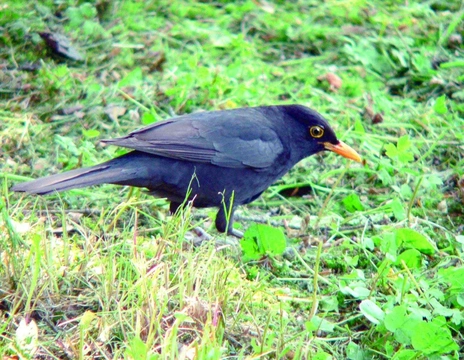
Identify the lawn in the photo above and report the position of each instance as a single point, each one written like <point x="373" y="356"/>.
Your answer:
<point x="340" y="260"/>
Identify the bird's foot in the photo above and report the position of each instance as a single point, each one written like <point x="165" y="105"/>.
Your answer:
<point x="200" y="236"/>
<point x="235" y="232"/>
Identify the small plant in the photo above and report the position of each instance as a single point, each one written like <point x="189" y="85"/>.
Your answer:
<point x="261" y="241"/>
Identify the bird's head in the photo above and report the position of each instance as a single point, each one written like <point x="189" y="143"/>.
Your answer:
<point x="319" y="134"/>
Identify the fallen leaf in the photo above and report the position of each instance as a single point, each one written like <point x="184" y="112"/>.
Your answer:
<point x="30" y="66"/>
<point x="335" y="82"/>
<point x="158" y="60"/>
<point x="353" y="29"/>
<point x="369" y="109"/>
<point x="377" y="119"/>
<point x="264" y="5"/>
<point x="79" y="114"/>
<point x="61" y="45"/>
<point x="115" y="111"/>
<point x="442" y="206"/>
<point x="134" y="115"/>
<point x="188" y="352"/>
<point x="369" y="112"/>
<point x="403" y="27"/>
<point x="455" y="40"/>
<point x="71" y="110"/>
<point x="21" y="227"/>
<point x="27" y="335"/>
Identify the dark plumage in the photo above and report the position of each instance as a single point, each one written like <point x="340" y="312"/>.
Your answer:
<point x="214" y="154"/>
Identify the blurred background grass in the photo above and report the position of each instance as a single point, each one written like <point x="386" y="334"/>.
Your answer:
<point x="386" y="74"/>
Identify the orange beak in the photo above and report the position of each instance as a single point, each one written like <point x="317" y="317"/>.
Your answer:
<point x="344" y="150"/>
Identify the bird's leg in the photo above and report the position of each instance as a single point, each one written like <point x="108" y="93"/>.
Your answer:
<point x="225" y="222"/>
<point x="173" y="206"/>
<point x="235" y="232"/>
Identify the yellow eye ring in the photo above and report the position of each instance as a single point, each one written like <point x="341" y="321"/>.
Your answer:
<point x="316" y="131"/>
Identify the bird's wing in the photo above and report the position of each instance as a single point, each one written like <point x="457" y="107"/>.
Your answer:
<point x="229" y="139"/>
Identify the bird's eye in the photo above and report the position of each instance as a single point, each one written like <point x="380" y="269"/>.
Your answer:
<point x="316" y="131"/>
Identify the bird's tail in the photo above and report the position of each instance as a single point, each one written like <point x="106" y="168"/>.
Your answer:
<point x="129" y="169"/>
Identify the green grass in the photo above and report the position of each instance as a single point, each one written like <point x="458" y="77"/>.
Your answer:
<point x="374" y="259"/>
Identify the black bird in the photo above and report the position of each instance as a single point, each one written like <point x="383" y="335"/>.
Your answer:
<point x="216" y="159"/>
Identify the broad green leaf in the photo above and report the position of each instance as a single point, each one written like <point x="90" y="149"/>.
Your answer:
<point x="405" y="191"/>
<point x="384" y="176"/>
<point x="329" y="303"/>
<point x="310" y="326"/>
<point x="148" y="118"/>
<point x="402" y="151"/>
<point x="355" y="352"/>
<point x="395" y="318"/>
<point x="403" y="143"/>
<point x="455" y="277"/>
<point x="460" y="299"/>
<point x="405" y="354"/>
<point x="405" y="157"/>
<point x="250" y="248"/>
<point x="389" y="245"/>
<point x="372" y="311"/>
<point x="132" y="78"/>
<point x="358" y="292"/>
<point x="439" y="309"/>
<point x="433" y="338"/>
<point x="411" y="257"/>
<point x="260" y="240"/>
<point x="440" y="105"/>
<point x="358" y="126"/>
<point x="411" y="239"/>
<point x="87" y="318"/>
<point x="91" y="133"/>
<point x="321" y="324"/>
<point x="321" y="355"/>
<point x="136" y="349"/>
<point x="391" y="151"/>
<point x="404" y="332"/>
<point x="352" y="203"/>
<point x="398" y="209"/>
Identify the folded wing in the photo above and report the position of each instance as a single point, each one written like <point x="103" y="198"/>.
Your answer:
<point x="228" y="139"/>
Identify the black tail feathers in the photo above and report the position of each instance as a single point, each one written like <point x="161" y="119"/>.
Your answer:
<point x="120" y="171"/>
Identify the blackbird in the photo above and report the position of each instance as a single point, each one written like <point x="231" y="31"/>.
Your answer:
<point x="214" y="159"/>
